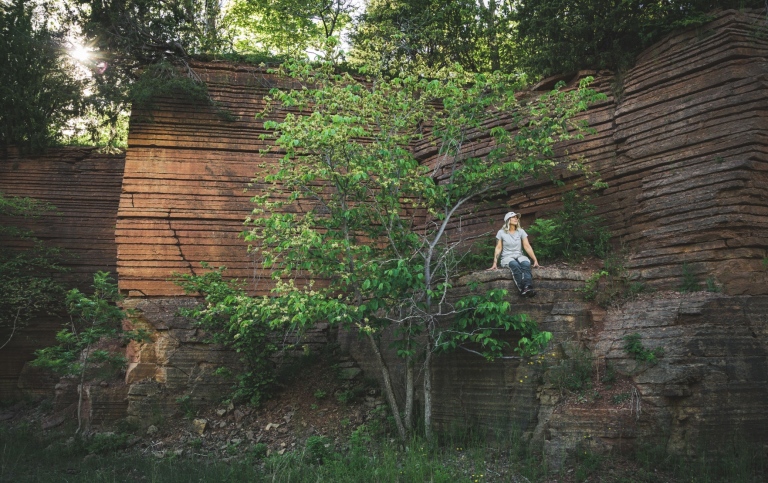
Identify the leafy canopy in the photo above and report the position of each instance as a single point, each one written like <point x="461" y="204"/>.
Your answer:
<point x="39" y="91"/>
<point x="560" y="36"/>
<point x="288" y="27"/>
<point x="428" y="35"/>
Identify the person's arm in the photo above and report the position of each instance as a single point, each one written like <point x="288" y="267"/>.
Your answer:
<point x="529" y="251"/>
<point x="496" y="253"/>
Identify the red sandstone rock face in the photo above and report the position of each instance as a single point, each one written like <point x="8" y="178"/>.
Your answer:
<point x="84" y="185"/>
<point x="184" y="192"/>
<point x="710" y="384"/>
<point x="682" y="147"/>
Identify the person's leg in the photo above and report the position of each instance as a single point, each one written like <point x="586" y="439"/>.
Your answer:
<point x="525" y="269"/>
<point x="517" y="274"/>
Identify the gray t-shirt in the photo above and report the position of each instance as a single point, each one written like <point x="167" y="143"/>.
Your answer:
<point x="512" y="245"/>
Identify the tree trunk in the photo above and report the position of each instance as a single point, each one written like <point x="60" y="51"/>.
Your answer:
<point x="80" y="389"/>
<point x="493" y="37"/>
<point x="409" y="395"/>
<point x="428" y="394"/>
<point x="388" y="389"/>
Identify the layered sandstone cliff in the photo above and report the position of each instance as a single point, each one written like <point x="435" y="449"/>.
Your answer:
<point x="84" y="186"/>
<point x="680" y="142"/>
<point x="709" y="388"/>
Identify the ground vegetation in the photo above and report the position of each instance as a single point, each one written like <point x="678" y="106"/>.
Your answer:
<point x="93" y="341"/>
<point x="330" y="441"/>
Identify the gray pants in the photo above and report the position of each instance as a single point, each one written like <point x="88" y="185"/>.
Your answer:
<point x="521" y="272"/>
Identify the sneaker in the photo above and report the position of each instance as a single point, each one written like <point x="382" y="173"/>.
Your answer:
<point x="526" y="290"/>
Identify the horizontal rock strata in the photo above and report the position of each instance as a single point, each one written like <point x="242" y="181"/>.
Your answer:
<point x="681" y="143"/>
<point x="708" y="386"/>
<point x="84" y="186"/>
<point x="503" y="393"/>
<point x="179" y="364"/>
<point x="187" y="173"/>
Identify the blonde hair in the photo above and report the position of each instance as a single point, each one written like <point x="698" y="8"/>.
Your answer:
<point x="519" y="224"/>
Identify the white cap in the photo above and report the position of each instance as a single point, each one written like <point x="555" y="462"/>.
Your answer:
<point x="509" y="215"/>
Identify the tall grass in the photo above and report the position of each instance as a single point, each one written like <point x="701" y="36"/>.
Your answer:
<point x="369" y="455"/>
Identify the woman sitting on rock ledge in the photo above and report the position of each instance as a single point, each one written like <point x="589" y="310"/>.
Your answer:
<point x="511" y="240"/>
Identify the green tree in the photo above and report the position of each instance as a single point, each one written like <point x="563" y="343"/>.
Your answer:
<point x="560" y="36"/>
<point x="354" y="227"/>
<point x="134" y="33"/>
<point x="427" y="35"/>
<point x="39" y="92"/>
<point x="26" y="265"/>
<point x="130" y="43"/>
<point x="289" y="27"/>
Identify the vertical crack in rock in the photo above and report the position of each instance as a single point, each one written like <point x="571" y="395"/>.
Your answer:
<point x="178" y="244"/>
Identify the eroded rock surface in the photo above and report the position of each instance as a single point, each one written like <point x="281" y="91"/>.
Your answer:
<point x="681" y="142"/>
<point x="709" y="386"/>
<point x="178" y="369"/>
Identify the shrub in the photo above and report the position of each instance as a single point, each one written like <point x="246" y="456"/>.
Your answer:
<point x="164" y="79"/>
<point x="620" y="398"/>
<point x="317" y="449"/>
<point x="233" y="318"/>
<point x="87" y="344"/>
<point x="185" y="404"/>
<point x="610" y="375"/>
<point x="634" y="347"/>
<point x="258" y="450"/>
<point x="712" y="285"/>
<point x="26" y="286"/>
<point x="572" y="233"/>
<point x="96" y="320"/>
<point x="102" y="443"/>
<point x="348" y="395"/>
<point x="612" y="286"/>
<point x="573" y="374"/>
<point x="689" y="282"/>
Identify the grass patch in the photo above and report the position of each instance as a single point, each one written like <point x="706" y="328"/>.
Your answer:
<point x="369" y="454"/>
<point x="689" y="281"/>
